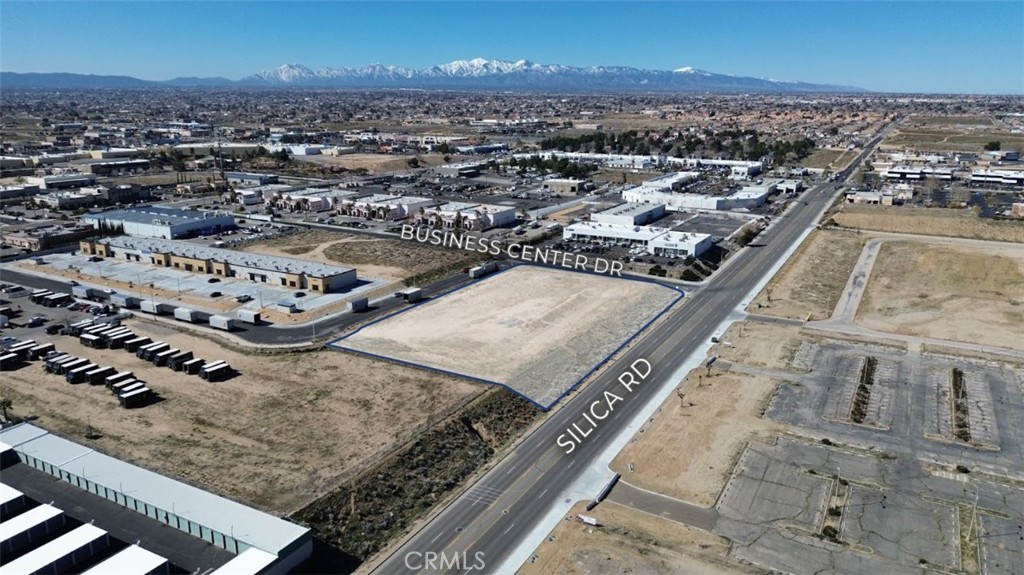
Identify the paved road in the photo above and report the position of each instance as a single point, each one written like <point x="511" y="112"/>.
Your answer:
<point x="663" y="506"/>
<point x="503" y="507"/>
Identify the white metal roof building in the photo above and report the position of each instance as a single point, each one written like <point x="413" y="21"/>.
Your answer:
<point x="220" y="521"/>
<point x="629" y="214"/>
<point x="133" y="560"/>
<point x="657" y="241"/>
<point x="288" y="272"/>
<point x="166" y="223"/>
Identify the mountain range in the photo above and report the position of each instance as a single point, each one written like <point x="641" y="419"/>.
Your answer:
<point x="477" y="74"/>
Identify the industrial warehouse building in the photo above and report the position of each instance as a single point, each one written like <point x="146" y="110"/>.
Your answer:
<point x="166" y="223"/>
<point x="383" y="207"/>
<point x="748" y="197"/>
<point x="467" y="216"/>
<point x="657" y="241"/>
<point x="195" y="258"/>
<point x="629" y="214"/>
<point x="75" y="484"/>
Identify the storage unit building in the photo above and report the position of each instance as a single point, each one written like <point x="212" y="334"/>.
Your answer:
<point x="161" y="357"/>
<point x="136" y="397"/>
<point x="78" y="374"/>
<point x="193" y="366"/>
<point x="133" y="345"/>
<point x="40" y="350"/>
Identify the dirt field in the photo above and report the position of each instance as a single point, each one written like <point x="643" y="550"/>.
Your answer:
<point x="629" y="541"/>
<point x="616" y="176"/>
<point x="706" y="429"/>
<point x="810" y="283"/>
<point x="960" y="294"/>
<point x="536" y="329"/>
<point x="285" y="431"/>
<point x="758" y="344"/>
<point x="823" y="158"/>
<point x="379" y="162"/>
<point x="930" y="138"/>
<point x="383" y="258"/>
<point x="929" y="221"/>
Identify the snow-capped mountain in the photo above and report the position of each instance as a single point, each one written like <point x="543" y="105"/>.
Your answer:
<point x="480" y="73"/>
<point x="476" y="74"/>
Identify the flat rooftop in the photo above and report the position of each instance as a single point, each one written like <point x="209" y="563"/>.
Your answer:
<point x="231" y="257"/>
<point x="148" y="215"/>
<point x="246" y="524"/>
<point x="181" y="549"/>
<point x="457" y="207"/>
<point x="637" y="233"/>
<point x="629" y="209"/>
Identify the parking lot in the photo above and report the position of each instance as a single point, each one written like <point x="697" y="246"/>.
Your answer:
<point x="196" y="291"/>
<point x="901" y="459"/>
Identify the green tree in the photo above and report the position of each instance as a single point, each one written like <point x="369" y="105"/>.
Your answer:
<point x="993" y="146"/>
<point x="5" y="404"/>
<point x="413" y="162"/>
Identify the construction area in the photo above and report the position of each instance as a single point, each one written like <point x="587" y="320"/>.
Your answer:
<point x="536" y="330"/>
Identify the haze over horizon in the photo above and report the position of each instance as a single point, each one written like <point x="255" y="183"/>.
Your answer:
<point x="939" y="47"/>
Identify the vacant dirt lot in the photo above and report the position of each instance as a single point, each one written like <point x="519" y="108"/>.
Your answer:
<point x="379" y="162"/>
<point x="960" y="294"/>
<point x="810" y="283"/>
<point x="629" y="541"/>
<point x="535" y="329"/>
<point x="382" y="258"/>
<point x="758" y="344"/>
<point x="823" y="158"/>
<point x="285" y="431"/>
<point x="929" y="221"/>
<point x="936" y="138"/>
<point x="689" y="449"/>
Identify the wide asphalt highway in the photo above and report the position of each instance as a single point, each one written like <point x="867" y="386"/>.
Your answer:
<point x="501" y="509"/>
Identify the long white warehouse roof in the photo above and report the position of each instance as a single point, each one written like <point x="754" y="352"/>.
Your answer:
<point x="232" y="257"/>
<point x="246" y="524"/>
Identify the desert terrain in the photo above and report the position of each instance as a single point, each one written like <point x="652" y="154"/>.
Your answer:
<point x="286" y="430"/>
<point x="538" y="330"/>
<point x="954" y="293"/>
<point x="629" y="541"/>
<point x="928" y="221"/>
<point x="809" y="285"/>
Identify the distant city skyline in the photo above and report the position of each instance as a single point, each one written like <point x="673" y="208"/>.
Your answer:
<point x="938" y="47"/>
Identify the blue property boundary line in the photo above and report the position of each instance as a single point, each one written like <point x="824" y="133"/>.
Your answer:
<point x="336" y="343"/>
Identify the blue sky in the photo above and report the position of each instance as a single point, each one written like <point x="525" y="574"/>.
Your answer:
<point x="917" y="46"/>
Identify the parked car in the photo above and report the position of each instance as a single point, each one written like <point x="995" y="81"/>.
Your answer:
<point x="52" y="329"/>
<point x="243" y="298"/>
<point x="36" y="321"/>
<point x="212" y="280"/>
<point x="216" y="294"/>
<point x="300" y="294"/>
<point x="72" y="283"/>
